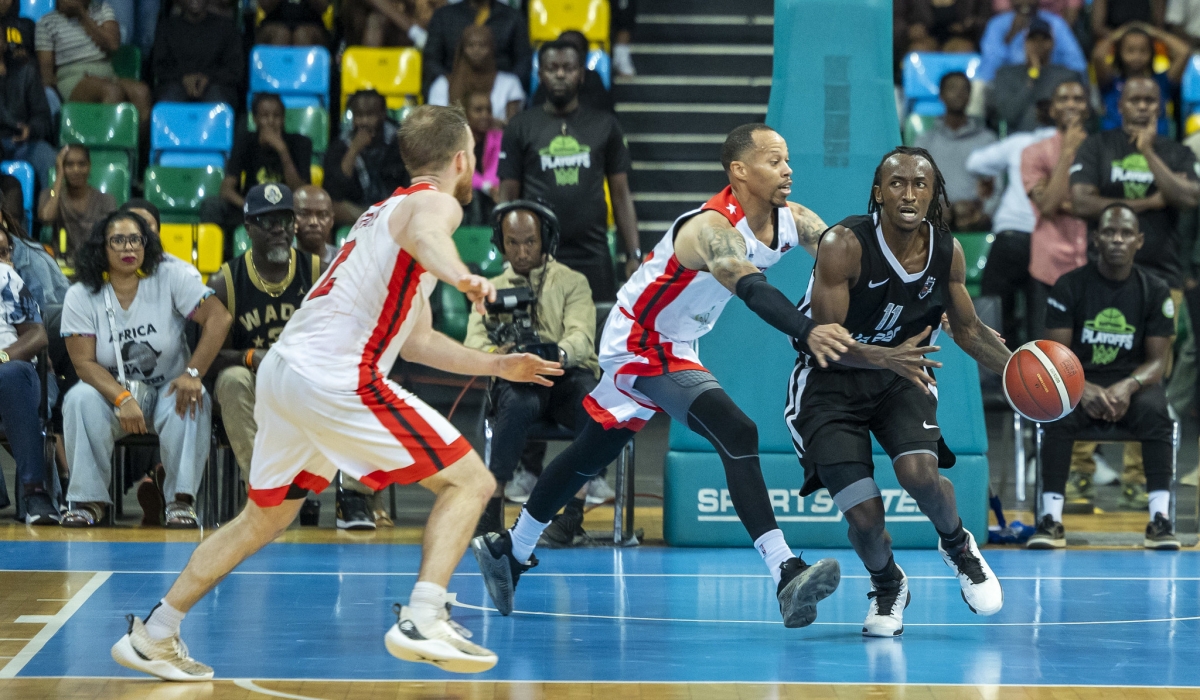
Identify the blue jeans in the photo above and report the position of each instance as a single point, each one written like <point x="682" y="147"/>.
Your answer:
<point x="39" y="154"/>
<point x="137" y="18"/>
<point x="19" y="415"/>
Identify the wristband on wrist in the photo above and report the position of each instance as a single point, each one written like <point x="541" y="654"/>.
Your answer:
<point x="121" y="398"/>
<point x="249" y="359"/>
<point x="1134" y="378"/>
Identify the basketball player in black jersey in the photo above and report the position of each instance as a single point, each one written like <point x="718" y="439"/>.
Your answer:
<point x="887" y="277"/>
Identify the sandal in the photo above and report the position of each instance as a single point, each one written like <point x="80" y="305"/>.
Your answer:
<point x="181" y="516"/>
<point x="85" y="515"/>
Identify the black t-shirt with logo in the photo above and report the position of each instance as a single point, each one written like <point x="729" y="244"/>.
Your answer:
<point x="565" y="160"/>
<point x="255" y="164"/>
<point x="1110" y="320"/>
<point x="1109" y="161"/>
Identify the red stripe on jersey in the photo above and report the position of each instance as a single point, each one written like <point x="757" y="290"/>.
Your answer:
<point x="415" y="434"/>
<point x="402" y="289"/>
<point x="657" y="295"/>
<point x="267" y="498"/>
<point x="726" y="203"/>
<point x="606" y="419"/>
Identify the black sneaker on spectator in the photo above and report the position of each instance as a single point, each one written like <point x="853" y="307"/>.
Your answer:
<point x="40" y="509"/>
<point x="1160" y="534"/>
<point x="310" y="512"/>
<point x="1049" y="535"/>
<point x="565" y="530"/>
<point x="352" y="511"/>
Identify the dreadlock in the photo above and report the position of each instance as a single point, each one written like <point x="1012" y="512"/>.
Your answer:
<point x="935" y="215"/>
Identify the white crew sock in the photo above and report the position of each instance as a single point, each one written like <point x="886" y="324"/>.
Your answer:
<point x="774" y="551"/>
<point x="1160" y="502"/>
<point x="1052" y="505"/>
<point x="426" y="601"/>
<point x="164" y="621"/>
<point x="525" y="534"/>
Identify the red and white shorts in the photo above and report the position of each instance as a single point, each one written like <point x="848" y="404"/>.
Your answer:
<point x="380" y="435"/>
<point x="628" y="351"/>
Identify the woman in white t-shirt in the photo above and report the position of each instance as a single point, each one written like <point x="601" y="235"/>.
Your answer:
<point x="127" y="298"/>
<point x="475" y="70"/>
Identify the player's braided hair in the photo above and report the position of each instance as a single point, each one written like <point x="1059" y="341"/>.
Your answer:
<point x="936" y="214"/>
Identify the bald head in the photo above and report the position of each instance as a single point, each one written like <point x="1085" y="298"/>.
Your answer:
<point x="314" y="219"/>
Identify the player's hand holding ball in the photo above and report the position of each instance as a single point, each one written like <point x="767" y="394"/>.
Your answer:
<point x="828" y="342"/>
<point x="526" y="368"/>
<point x="1043" y="381"/>
<point x="478" y="290"/>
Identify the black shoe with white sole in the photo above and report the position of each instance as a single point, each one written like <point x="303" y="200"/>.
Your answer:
<point x="353" y="511"/>
<point x="1160" y="534"/>
<point x="1049" y="535"/>
<point x="802" y="586"/>
<point x="501" y="571"/>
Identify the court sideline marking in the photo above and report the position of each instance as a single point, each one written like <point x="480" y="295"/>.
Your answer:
<point x="53" y="624"/>
<point x="247" y="684"/>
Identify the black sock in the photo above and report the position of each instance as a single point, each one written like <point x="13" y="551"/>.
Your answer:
<point x="888" y="574"/>
<point x="955" y="539"/>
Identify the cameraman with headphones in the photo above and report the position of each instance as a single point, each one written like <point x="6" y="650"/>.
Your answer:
<point x="562" y="314"/>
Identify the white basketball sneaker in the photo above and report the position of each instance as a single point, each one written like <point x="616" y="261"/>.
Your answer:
<point x="166" y="658"/>
<point x="885" y="616"/>
<point x="980" y="588"/>
<point x="441" y="642"/>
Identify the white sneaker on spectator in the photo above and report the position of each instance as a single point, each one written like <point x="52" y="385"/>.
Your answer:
<point x="520" y="487"/>
<point x="981" y="589"/>
<point x="598" y="491"/>
<point x="166" y="658"/>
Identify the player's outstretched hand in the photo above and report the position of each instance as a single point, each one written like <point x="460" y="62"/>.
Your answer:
<point x="523" y="367"/>
<point x="478" y="289"/>
<point x="828" y="342"/>
<point x="909" y="361"/>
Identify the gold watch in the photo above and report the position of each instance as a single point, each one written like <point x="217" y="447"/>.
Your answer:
<point x="3" y="357"/>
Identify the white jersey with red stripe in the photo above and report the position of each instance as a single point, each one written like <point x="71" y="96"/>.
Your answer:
<point x="357" y="316"/>
<point x="663" y="309"/>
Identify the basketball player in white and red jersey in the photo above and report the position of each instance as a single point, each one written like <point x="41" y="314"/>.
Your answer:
<point x="650" y="364"/>
<point x="324" y="403"/>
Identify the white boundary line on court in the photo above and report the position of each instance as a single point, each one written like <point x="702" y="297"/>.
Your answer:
<point x="247" y="684"/>
<point x="53" y="625"/>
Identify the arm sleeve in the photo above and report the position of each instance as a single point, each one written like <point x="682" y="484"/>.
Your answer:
<point x="773" y="307"/>
<point x="512" y="156"/>
<point x="1086" y="170"/>
<point x="187" y="291"/>
<point x="616" y="152"/>
<point x="1060" y="305"/>
<point x="1160" y="313"/>
<point x="78" y="317"/>
<point x="579" y="319"/>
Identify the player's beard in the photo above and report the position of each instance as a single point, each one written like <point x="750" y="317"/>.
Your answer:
<point x="463" y="190"/>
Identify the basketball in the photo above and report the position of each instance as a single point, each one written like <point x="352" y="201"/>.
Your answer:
<point x="1043" y="380"/>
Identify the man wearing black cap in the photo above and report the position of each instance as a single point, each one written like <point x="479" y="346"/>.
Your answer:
<point x="1014" y="94"/>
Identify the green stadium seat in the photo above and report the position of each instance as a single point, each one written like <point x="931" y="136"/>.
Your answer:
<point x="178" y="192"/>
<point x="453" y="312"/>
<point x="311" y="121"/>
<point x="111" y="127"/>
<point x="975" y="250"/>
<point x="915" y="125"/>
<point x="127" y="62"/>
<point x="109" y="177"/>
<point x="340" y="237"/>
<point x="241" y="241"/>
<point x="475" y="247"/>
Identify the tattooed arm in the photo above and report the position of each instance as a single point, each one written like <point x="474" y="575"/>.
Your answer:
<point x="809" y="226"/>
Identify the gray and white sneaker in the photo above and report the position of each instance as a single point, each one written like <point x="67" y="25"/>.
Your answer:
<point x="885" y="615"/>
<point x="1160" y="534"/>
<point x="501" y="571"/>
<point x="1049" y="535"/>
<point x="167" y="658"/>
<point x="598" y="491"/>
<point x="802" y="586"/>
<point x="520" y="487"/>
<point x="981" y="589"/>
<point x="440" y="642"/>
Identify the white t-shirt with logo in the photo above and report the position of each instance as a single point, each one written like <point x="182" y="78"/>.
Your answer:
<point x="150" y="331"/>
<point x="16" y="305"/>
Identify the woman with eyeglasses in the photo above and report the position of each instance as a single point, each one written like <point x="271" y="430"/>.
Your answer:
<point x="126" y="299"/>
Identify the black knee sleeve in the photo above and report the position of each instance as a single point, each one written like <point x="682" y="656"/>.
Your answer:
<point x="575" y="466"/>
<point x="715" y="417"/>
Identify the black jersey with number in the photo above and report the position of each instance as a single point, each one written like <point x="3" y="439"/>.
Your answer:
<point x="259" y="315"/>
<point x="889" y="305"/>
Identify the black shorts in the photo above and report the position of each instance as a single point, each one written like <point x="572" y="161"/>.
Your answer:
<point x="833" y="413"/>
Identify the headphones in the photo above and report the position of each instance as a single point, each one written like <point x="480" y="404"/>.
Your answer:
<point x="549" y="221"/>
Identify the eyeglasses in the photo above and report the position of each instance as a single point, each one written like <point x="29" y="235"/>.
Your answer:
<point x="271" y="223"/>
<point x="133" y="240"/>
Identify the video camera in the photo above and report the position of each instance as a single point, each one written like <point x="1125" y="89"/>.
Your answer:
<point x="519" y="332"/>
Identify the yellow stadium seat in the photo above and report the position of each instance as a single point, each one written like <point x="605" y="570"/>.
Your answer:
<point x="394" y="73"/>
<point x="177" y="240"/>
<point x="206" y="241"/>
<point x="1192" y="125"/>
<point x="316" y="173"/>
<point x="549" y="18"/>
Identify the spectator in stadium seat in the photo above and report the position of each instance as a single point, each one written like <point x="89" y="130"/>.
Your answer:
<point x="1108" y="15"/>
<point x="364" y="166"/>
<point x="1067" y="9"/>
<point x="121" y="263"/>
<point x="1007" y="269"/>
<point x="1014" y="95"/>
<point x="563" y="153"/>
<point x="951" y="141"/>
<point x="592" y="92"/>
<point x="488" y="140"/>
<point x="269" y="155"/>
<point x="1129" y="53"/>
<point x="954" y="26"/>
<point x="292" y="23"/>
<point x="139" y="19"/>
<point x="565" y="316"/>
<point x="509" y="29"/>
<point x="1003" y="42"/>
<point x="18" y="30"/>
<point x="1119" y="320"/>
<point x="1182" y="19"/>
<point x="71" y="203"/>
<point x="35" y="264"/>
<point x="388" y="22"/>
<point x="73" y="45"/>
<point x="475" y="69"/>
<point x="25" y="123"/>
<point x="198" y="56"/>
<point x="314" y="223"/>
<point x="22" y="337"/>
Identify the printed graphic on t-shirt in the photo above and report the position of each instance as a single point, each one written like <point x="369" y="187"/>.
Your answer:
<point x="1133" y="172"/>
<point x="1107" y="334"/>
<point x="565" y="156"/>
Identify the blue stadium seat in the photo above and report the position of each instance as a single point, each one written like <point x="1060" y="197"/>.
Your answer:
<point x="922" y="74"/>
<point x="597" y="60"/>
<point x="298" y="74"/>
<point x="34" y="9"/>
<point x="191" y="135"/>
<point x="24" y="173"/>
<point x="1191" y="86"/>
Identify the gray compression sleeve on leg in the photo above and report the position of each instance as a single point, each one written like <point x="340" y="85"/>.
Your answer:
<point x="773" y="307"/>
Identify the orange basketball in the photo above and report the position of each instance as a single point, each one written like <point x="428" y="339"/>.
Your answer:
<point x="1043" y="380"/>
